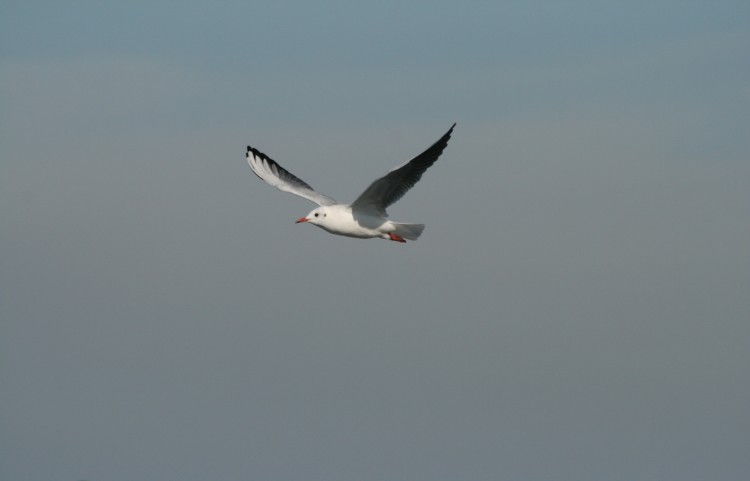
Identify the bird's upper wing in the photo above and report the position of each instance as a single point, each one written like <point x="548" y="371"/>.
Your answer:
<point x="275" y="175"/>
<point x="392" y="186"/>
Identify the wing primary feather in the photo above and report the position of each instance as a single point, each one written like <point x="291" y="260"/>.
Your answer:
<point x="272" y="173"/>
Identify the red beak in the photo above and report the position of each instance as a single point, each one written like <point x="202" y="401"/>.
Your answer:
<point x="301" y="219"/>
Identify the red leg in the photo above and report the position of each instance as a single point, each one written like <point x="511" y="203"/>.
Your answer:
<point x="396" y="238"/>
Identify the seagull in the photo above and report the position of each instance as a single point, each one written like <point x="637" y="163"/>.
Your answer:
<point x="366" y="217"/>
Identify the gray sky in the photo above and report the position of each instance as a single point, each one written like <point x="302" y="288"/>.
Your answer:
<point x="577" y="308"/>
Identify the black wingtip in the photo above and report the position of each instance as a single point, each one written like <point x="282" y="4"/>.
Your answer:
<point x="255" y="153"/>
<point x="447" y="135"/>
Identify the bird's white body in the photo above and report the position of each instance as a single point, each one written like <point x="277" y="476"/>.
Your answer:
<point x="366" y="217"/>
<point x="341" y="219"/>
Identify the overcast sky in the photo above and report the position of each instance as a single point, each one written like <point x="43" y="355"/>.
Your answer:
<point x="578" y="307"/>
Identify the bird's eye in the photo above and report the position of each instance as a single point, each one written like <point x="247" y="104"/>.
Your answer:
<point x="316" y="214"/>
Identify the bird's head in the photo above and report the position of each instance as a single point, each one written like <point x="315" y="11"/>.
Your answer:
<point x="316" y="216"/>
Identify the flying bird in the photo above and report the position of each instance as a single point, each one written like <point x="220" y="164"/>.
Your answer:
<point x="366" y="217"/>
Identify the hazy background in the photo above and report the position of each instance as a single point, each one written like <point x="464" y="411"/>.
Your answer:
<point x="578" y="307"/>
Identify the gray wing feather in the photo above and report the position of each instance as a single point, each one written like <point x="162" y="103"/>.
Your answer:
<point x="391" y="187"/>
<point x="276" y="176"/>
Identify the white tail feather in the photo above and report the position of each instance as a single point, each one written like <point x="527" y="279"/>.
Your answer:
<point x="409" y="231"/>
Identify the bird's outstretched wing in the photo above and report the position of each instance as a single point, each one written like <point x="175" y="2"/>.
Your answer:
<point x="275" y="175"/>
<point x="392" y="186"/>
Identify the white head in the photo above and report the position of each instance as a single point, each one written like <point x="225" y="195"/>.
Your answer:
<point x="316" y="216"/>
